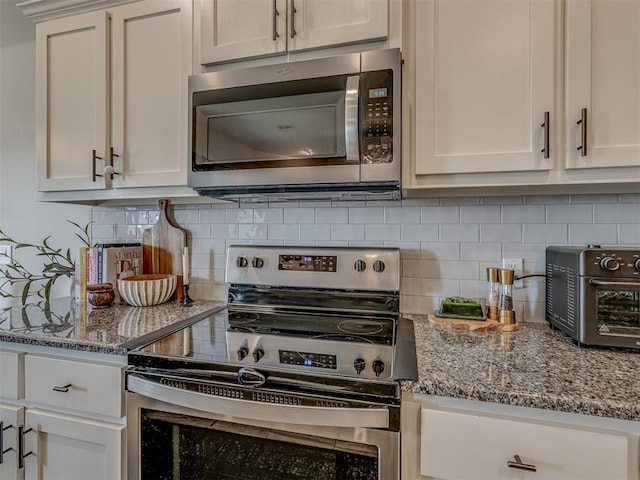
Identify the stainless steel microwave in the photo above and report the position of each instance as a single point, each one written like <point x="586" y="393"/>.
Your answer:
<point x="326" y="128"/>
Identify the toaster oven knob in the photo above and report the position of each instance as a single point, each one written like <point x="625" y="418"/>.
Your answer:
<point x="257" y="262"/>
<point x="636" y="265"/>
<point x="241" y="262"/>
<point x="378" y="367"/>
<point x="242" y="352"/>
<point x="359" y="365"/>
<point x="378" y="266"/>
<point x="258" y="353"/>
<point x="609" y="264"/>
<point x="360" y="266"/>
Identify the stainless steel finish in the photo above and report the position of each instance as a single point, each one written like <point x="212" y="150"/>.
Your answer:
<point x="276" y="13"/>
<point x="583" y="132"/>
<point x="351" y="130"/>
<point x="547" y="135"/>
<point x="293" y="18"/>
<point x="345" y="276"/>
<point x="289" y="414"/>
<point x="387" y="442"/>
<point x="63" y="389"/>
<point x="521" y="466"/>
<point x="94" y="173"/>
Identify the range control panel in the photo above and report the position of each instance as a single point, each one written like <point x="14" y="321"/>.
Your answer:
<point x="308" y="263"/>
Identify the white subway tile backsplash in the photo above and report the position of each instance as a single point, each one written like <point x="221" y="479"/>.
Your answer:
<point x="523" y="214"/>
<point x="467" y="232"/>
<point x="347" y="232"/>
<point x="480" y="214"/>
<point x="366" y="215"/>
<point x="585" y="234"/>
<point x="574" y="213"/>
<point x="402" y="215"/>
<point x="419" y="233"/>
<point x="445" y="244"/>
<point x="384" y="232"/>
<point x="544" y="233"/>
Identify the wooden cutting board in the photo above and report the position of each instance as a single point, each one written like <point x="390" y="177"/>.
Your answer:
<point x="474" y="325"/>
<point x="163" y="246"/>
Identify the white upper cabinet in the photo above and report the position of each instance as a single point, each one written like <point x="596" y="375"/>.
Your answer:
<point x="603" y="78"/>
<point x="484" y="78"/>
<point x="72" y="111"/>
<point x="111" y="92"/>
<point x="241" y="29"/>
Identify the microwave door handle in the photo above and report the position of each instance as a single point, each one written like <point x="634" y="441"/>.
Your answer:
<point x="351" y="130"/>
<point x="602" y="283"/>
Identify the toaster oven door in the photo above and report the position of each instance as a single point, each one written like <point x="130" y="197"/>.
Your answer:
<point x="616" y="308"/>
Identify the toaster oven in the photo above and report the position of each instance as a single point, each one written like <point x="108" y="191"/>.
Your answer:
<point x="593" y="294"/>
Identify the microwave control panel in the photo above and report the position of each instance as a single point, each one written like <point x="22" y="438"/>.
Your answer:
<point x="376" y="110"/>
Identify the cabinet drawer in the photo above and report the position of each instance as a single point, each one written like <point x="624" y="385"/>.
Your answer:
<point x="12" y="378"/>
<point x="85" y="387"/>
<point x="462" y="445"/>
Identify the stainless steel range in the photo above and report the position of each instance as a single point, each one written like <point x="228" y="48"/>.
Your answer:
<point x="297" y="378"/>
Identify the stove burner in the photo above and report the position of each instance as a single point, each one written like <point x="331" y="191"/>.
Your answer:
<point x="360" y="327"/>
<point x="242" y="318"/>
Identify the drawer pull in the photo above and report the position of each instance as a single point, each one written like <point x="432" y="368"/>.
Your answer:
<point x="63" y="389"/>
<point x="2" y="449"/>
<point x="521" y="466"/>
<point x="21" y="456"/>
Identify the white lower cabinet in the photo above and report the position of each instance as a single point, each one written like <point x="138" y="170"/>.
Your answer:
<point x="62" y="415"/>
<point x="452" y="439"/>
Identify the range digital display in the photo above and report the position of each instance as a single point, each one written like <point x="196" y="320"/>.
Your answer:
<point x="318" y="360"/>
<point x="308" y="263"/>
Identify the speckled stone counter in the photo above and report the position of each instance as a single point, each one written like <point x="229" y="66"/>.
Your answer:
<point x="532" y="367"/>
<point x="95" y="330"/>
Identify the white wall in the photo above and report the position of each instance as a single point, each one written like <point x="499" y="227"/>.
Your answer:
<point x="445" y="243"/>
<point x="21" y="216"/>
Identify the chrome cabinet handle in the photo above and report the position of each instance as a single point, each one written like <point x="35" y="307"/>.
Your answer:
<point x="94" y="158"/>
<point x="63" y="389"/>
<point x="21" y="455"/>
<point x="111" y="171"/>
<point x="583" y="132"/>
<point x="2" y="449"/>
<point x="276" y="13"/>
<point x="547" y="138"/>
<point x="521" y="466"/>
<point x="293" y="18"/>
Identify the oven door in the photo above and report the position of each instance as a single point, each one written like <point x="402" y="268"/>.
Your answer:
<point x="170" y="441"/>
<point x="612" y="312"/>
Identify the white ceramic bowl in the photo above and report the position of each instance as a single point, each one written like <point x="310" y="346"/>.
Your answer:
<point x="148" y="289"/>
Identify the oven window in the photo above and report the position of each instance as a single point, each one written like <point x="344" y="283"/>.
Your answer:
<point x="184" y="447"/>
<point x="618" y="312"/>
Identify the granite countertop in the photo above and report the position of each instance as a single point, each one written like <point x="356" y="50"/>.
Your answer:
<point x="532" y="367"/>
<point x="81" y="327"/>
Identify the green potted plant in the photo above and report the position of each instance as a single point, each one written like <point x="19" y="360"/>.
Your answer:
<point x="56" y="263"/>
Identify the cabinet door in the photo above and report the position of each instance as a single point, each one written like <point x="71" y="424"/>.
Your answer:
<point x="151" y="55"/>
<point x="322" y="23"/>
<point x="239" y="29"/>
<point x="72" y="448"/>
<point x="71" y="101"/>
<point x="603" y="74"/>
<point x="484" y="80"/>
<point x="11" y="417"/>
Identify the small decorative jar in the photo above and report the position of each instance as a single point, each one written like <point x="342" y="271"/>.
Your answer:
<point x="101" y="295"/>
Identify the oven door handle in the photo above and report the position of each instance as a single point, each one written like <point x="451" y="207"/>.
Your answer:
<point x="351" y="130"/>
<point x="293" y="414"/>
<point x="603" y="283"/>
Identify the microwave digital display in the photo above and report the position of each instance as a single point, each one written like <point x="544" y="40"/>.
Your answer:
<point x="377" y="92"/>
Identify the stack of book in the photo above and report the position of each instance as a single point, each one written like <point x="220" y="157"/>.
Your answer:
<point x="106" y="263"/>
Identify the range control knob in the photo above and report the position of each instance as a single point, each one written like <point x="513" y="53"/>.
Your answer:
<point x="241" y="262"/>
<point x="636" y="265"/>
<point x="258" y="353"/>
<point x="242" y="352"/>
<point x="257" y="262"/>
<point x="360" y="266"/>
<point x="379" y="266"/>
<point x="609" y="264"/>
<point x="359" y="365"/>
<point x="378" y="367"/>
